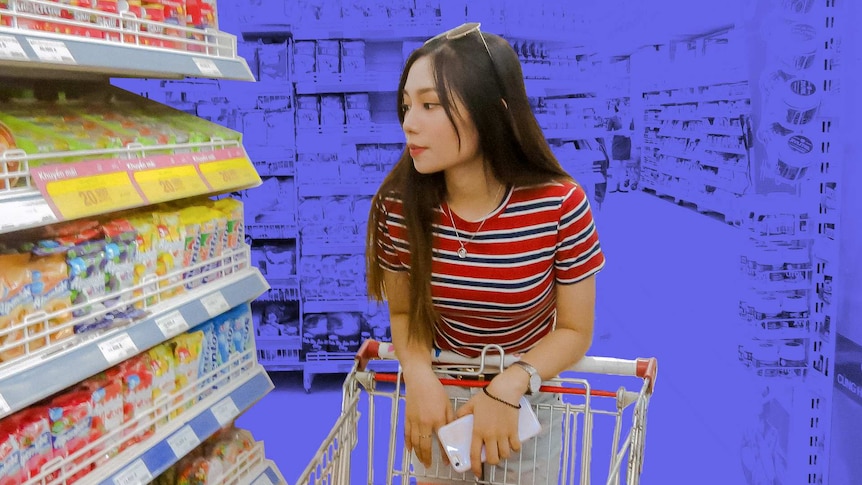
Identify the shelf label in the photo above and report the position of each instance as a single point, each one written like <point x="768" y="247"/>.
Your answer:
<point x="170" y="183"/>
<point x="5" y="408"/>
<point x="10" y="48"/>
<point x="215" y="304"/>
<point x="52" y="51"/>
<point x="225" y="411"/>
<point x="183" y="441"/>
<point x="135" y="474"/>
<point x="172" y="324"/>
<point x="118" y="348"/>
<point x="263" y="479"/>
<point x="230" y="174"/>
<point x="92" y="195"/>
<point x="207" y="67"/>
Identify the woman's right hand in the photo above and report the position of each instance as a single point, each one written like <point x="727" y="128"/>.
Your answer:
<point x="427" y="409"/>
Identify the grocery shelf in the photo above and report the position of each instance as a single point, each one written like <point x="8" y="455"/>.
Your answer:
<point x="316" y="136"/>
<point x="358" y="82"/>
<point x="326" y="248"/>
<point x="335" y="306"/>
<point x="115" y="47"/>
<point x="218" y="166"/>
<point x="325" y="190"/>
<point x="141" y="464"/>
<point x="270" y="231"/>
<point x="68" y="365"/>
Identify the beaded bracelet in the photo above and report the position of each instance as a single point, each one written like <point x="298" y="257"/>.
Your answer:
<point x="485" y="390"/>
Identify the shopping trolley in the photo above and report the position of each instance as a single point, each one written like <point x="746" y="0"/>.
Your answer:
<point x="576" y="415"/>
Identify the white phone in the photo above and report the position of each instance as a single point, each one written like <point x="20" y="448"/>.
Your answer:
<point x="457" y="435"/>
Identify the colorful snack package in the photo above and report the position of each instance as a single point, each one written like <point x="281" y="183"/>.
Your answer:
<point x="241" y="330"/>
<point x="208" y="361"/>
<point x="188" y="350"/>
<point x="120" y="255"/>
<point x="52" y="293"/>
<point x="200" y="471"/>
<point x="222" y="328"/>
<point x="11" y="470"/>
<point x="137" y="380"/>
<point x="16" y="302"/>
<point x="171" y="251"/>
<point x="190" y="228"/>
<point x="87" y="280"/>
<point x="71" y="417"/>
<point x="32" y="426"/>
<point x="235" y="228"/>
<point x="146" y="261"/>
<point x="106" y="399"/>
<point x="163" y="368"/>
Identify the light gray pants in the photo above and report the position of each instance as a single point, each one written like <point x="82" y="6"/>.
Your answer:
<point x="538" y="462"/>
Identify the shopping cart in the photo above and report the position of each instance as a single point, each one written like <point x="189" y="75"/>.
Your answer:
<point x="575" y="413"/>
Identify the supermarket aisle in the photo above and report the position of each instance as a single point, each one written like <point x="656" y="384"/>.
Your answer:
<point x="667" y="291"/>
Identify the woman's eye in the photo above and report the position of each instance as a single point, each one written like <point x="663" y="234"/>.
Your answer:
<point x="429" y="105"/>
<point x="404" y="108"/>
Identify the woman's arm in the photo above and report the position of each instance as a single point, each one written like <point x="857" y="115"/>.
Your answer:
<point x="428" y="406"/>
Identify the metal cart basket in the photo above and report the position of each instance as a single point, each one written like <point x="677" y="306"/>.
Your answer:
<point x="582" y="416"/>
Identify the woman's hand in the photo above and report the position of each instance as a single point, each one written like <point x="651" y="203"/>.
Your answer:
<point x="427" y="409"/>
<point x="495" y="425"/>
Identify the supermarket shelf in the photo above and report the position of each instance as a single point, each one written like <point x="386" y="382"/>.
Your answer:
<point x="407" y="29"/>
<point x="332" y="248"/>
<point x="576" y="133"/>
<point x="62" y="368"/>
<point x="334" y="306"/>
<point x="30" y="52"/>
<point x="359" y="82"/>
<point x="315" y="137"/>
<point x="325" y="190"/>
<point x="271" y="231"/>
<point x="202" y="421"/>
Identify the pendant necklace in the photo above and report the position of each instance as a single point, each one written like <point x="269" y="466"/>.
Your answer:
<point x="462" y="251"/>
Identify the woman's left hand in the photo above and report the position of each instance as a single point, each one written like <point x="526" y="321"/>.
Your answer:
<point x="495" y="425"/>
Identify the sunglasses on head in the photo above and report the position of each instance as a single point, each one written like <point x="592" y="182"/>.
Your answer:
<point x="464" y="30"/>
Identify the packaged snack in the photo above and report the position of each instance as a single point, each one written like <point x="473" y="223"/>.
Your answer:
<point x="174" y="14"/>
<point x="241" y="333"/>
<point x="200" y="471"/>
<point x="106" y="399"/>
<point x="146" y="260"/>
<point x="171" y="251"/>
<point x="222" y="329"/>
<point x="190" y="229"/>
<point x="120" y="255"/>
<point x="11" y="471"/>
<point x="32" y="426"/>
<point x="87" y="280"/>
<point x="16" y="302"/>
<point x="71" y="417"/>
<point x="137" y="380"/>
<point x="188" y="349"/>
<point x="163" y="367"/>
<point x="208" y="361"/>
<point x="52" y="293"/>
<point x="235" y="225"/>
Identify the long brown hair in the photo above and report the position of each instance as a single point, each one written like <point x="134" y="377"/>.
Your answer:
<point x="509" y="138"/>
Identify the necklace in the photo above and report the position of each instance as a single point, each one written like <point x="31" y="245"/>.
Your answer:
<point x="462" y="251"/>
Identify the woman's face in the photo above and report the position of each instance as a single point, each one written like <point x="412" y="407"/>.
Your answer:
<point x="431" y="137"/>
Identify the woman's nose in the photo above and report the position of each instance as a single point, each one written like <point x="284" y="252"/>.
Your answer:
<point x="409" y="125"/>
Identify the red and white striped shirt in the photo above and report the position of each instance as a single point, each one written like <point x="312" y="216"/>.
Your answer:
<point x="503" y="291"/>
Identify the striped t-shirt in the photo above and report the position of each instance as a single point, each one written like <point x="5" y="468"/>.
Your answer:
<point x="503" y="291"/>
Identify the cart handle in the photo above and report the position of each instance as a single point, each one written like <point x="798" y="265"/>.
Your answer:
<point x="645" y="368"/>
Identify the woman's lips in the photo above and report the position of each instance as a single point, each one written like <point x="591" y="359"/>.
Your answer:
<point x="415" y="150"/>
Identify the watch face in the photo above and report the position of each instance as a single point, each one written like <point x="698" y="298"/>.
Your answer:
<point x="535" y="383"/>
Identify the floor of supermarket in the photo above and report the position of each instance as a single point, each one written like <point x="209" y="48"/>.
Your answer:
<point x="667" y="291"/>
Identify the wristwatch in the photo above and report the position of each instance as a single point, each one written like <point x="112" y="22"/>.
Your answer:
<point x="535" y="378"/>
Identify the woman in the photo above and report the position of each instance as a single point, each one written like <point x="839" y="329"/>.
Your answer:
<point x="478" y="237"/>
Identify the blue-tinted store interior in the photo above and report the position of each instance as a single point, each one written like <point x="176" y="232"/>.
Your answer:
<point x="715" y="141"/>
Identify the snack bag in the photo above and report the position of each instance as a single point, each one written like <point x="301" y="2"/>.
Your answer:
<point x="33" y="428"/>
<point x="16" y="302"/>
<point x="71" y="417"/>
<point x="222" y="328"/>
<point x="208" y="361"/>
<point x="87" y="280"/>
<point x="163" y="367"/>
<point x="171" y="251"/>
<point x="52" y="293"/>
<point x="190" y="228"/>
<point x="106" y="399"/>
<point x="137" y="380"/>
<point x="11" y="471"/>
<point x="216" y="243"/>
<point x="235" y="228"/>
<point x="201" y="471"/>
<point x="188" y="350"/>
<point x="241" y="330"/>
<point x="145" y="260"/>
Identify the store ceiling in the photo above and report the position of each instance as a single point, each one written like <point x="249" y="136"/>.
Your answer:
<point x="620" y="27"/>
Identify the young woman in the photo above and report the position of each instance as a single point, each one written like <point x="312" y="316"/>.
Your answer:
<point x="478" y="237"/>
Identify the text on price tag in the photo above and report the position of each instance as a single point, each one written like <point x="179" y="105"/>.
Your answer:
<point x="118" y="348"/>
<point x="230" y="174"/>
<point x="52" y="51"/>
<point x="183" y="441"/>
<point x="10" y="48"/>
<point x="135" y="474"/>
<point x="172" y="324"/>
<point x="93" y="195"/>
<point x="170" y="183"/>
<point x="207" y="67"/>
<point x="224" y="411"/>
<point x="215" y="304"/>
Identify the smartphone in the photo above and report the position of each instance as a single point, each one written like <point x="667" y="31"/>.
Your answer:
<point x="457" y="435"/>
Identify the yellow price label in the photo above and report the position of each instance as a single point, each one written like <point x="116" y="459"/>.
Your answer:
<point x="230" y="174"/>
<point x="170" y="183"/>
<point x="92" y="195"/>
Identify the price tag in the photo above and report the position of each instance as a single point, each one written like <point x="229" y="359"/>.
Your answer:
<point x="230" y="174"/>
<point x="225" y="411"/>
<point x="97" y="194"/>
<point x="52" y="51"/>
<point x="135" y="474"/>
<point x="170" y="183"/>
<point x="207" y="67"/>
<point x="118" y="348"/>
<point x="10" y="48"/>
<point x="215" y="304"/>
<point x="5" y="408"/>
<point x="263" y="479"/>
<point x="183" y="441"/>
<point x="25" y="213"/>
<point x="172" y="324"/>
